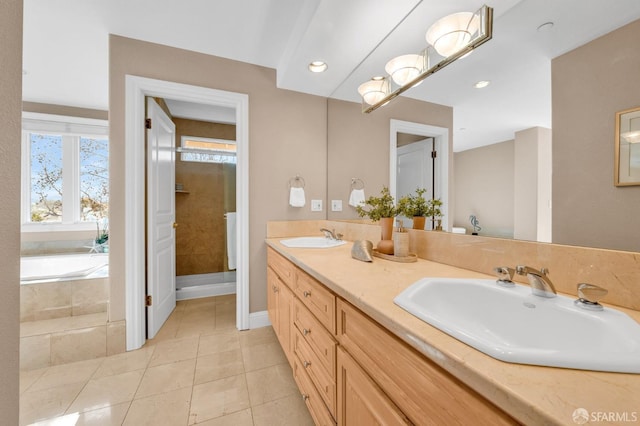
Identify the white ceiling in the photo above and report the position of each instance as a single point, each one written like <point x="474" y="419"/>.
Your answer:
<point x="66" y="48"/>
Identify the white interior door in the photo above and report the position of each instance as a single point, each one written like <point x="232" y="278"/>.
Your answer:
<point x="414" y="169"/>
<point x="161" y="213"/>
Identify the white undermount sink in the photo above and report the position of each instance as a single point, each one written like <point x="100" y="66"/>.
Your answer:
<point x="512" y="325"/>
<point x="311" y="242"/>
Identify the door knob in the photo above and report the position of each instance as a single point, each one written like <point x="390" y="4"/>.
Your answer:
<point x="175" y="225"/>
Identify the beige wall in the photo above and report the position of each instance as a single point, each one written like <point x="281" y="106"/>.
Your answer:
<point x="287" y="136"/>
<point x="358" y="145"/>
<point x="589" y="84"/>
<point x="484" y="187"/>
<point x="10" y="122"/>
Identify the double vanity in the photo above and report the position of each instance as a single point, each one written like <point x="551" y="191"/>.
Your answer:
<point x="358" y="357"/>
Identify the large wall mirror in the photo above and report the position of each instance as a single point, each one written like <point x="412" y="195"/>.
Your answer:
<point x="570" y="161"/>
<point x="627" y="147"/>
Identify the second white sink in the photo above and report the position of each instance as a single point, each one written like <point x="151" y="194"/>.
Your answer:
<point x="312" y="242"/>
<point x="513" y="325"/>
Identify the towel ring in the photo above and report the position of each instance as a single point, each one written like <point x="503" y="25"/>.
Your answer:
<point x="355" y="182"/>
<point x="296" y="182"/>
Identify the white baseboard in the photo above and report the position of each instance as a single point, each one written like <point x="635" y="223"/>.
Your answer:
<point x="259" y="319"/>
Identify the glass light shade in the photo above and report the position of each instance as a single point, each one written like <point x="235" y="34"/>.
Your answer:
<point x="405" y="68"/>
<point x="631" y="137"/>
<point x="451" y="33"/>
<point x="374" y="90"/>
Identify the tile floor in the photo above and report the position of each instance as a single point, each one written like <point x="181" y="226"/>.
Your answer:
<point x="198" y="370"/>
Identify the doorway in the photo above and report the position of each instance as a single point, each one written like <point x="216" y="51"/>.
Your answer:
<point x="441" y="167"/>
<point x="137" y="89"/>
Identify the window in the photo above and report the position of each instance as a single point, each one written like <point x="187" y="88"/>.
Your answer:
<point x="206" y="150"/>
<point x="65" y="172"/>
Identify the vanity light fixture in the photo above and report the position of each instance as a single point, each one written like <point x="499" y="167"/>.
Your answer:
<point x="482" y="84"/>
<point x="374" y="90"/>
<point x="452" y="33"/>
<point x="450" y="38"/>
<point x="318" y="66"/>
<point x="404" y="69"/>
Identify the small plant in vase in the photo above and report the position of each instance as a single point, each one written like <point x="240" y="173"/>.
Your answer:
<point x="101" y="242"/>
<point x="416" y="207"/>
<point x="381" y="209"/>
<point x="436" y="213"/>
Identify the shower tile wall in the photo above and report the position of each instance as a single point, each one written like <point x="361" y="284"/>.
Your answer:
<point x="200" y="236"/>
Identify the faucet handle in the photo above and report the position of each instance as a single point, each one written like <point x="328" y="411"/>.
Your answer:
<point x="589" y="296"/>
<point x="505" y="275"/>
<point x="591" y="293"/>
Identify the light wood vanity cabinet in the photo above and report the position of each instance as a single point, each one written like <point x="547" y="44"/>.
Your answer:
<point x="423" y="391"/>
<point x="309" y="335"/>
<point x="279" y="307"/>
<point x="351" y="371"/>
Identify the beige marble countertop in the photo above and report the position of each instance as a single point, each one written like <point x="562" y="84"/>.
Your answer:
<point x="531" y="394"/>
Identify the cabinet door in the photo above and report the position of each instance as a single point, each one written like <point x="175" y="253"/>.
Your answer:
<point x="285" y="320"/>
<point x="273" y="284"/>
<point x="360" y="400"/>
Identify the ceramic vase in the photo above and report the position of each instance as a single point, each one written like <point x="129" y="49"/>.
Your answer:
<point x="386" y="243"/>
<point x="418" y="222"/>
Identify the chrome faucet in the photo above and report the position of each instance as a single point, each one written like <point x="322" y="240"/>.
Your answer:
<point x="540" y="283"/>
<point x="331" y="234"/>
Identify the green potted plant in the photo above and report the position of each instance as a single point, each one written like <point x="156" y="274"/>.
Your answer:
<point x="101" y="242"/>
<point x="381" y="209"/>
<point x="436" y="213"/>
<point x="416" y="207"/>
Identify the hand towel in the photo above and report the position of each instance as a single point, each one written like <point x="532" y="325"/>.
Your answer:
<point x="296" y="197"/>
<point x="357" y="197"/>
<point x="231" y="241"/>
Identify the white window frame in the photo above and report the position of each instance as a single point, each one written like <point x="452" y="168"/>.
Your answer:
<point x="71" y="129"/>
<point x="185" y="150"/>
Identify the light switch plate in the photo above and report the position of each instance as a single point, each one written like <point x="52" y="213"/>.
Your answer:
<point x="336" y="205"/>
<point x="316" y="205"/>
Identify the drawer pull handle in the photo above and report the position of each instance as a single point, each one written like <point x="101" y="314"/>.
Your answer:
<point x="275" y="289"/>
<point x="305" y="397"/>
<point x="306" y="293"/>
<point x="306" y="364"/>
<point x="306" y="331"/>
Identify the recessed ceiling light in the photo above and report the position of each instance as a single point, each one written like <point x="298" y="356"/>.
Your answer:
<point x="545" y="27"/>
<point x="318" y="66"/>
<point x="481" y="84"/>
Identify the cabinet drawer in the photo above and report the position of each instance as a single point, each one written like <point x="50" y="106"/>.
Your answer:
<point x="312" y="399"/>
<point x="281" y="266"/>
<point x="324" y="382"/>
<point x="318" y="339"/>
<point x="320" y="301"/>
<point x="421" y="389"/>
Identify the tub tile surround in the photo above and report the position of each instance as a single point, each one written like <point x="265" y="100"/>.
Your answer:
<point x="41" y="301"/>
<point x="532" y="394"/>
